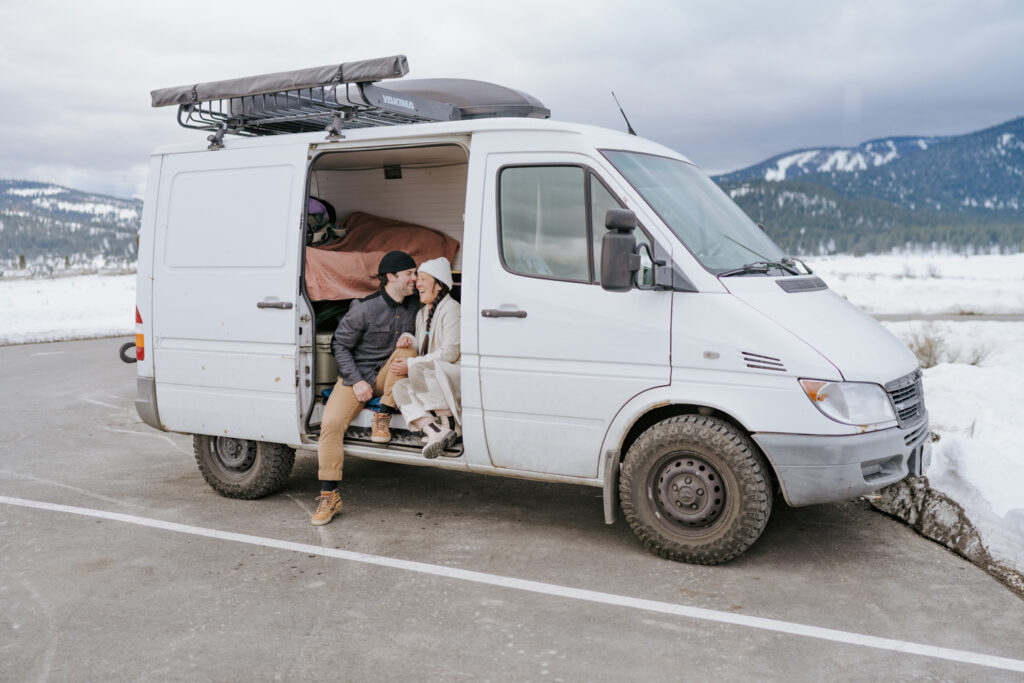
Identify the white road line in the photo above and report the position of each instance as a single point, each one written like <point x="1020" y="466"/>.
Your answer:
<point x="148" y="433"/>
<point x="759" y="623"/>
<point x="105" y="405"/>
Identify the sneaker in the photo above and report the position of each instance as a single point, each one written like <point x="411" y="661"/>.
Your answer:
<point x="381" y="428"/>
<point x="439" y="437"/>
<point x="329" y="505"/>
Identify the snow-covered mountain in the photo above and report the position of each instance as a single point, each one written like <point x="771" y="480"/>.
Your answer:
<point x="44" y="221"/>
<point x="864" y="156"/>
<point x="962" y="191"/>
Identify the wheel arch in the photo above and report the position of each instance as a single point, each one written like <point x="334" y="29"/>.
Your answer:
<point x="624" y="431"/>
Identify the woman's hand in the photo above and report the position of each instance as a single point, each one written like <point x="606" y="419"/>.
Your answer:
<point x="399" y="367"/>
<point x="404" y="342"/>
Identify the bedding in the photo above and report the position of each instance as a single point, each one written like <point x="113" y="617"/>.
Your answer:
<point x="347" y="269"/>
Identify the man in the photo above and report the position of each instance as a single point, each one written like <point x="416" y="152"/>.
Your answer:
<point x="369" y="364"/>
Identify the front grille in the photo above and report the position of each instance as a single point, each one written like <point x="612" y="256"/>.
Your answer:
<point x="915" y="437"/>
<point x="907" y="396"/>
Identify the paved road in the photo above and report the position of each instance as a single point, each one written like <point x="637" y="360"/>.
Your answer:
<point x="514" y="581"/>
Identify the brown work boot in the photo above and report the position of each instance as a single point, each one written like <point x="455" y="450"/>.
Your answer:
<point x="330" y="505"/>
<point x="381" y="428"/>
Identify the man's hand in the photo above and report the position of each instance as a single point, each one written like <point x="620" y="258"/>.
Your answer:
<point x="362" y="390"/>
<point x="399" y="367"/>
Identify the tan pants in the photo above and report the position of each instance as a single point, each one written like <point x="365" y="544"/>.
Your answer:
<point x="342" y="407"/>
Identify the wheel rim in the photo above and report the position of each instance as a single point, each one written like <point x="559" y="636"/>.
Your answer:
<point x="688" y="491"/>
<point x="233" y="457"/>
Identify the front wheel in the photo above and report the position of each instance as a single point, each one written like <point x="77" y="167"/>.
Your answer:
<point x="239" y="468"/>
<point x="695" y="489"/>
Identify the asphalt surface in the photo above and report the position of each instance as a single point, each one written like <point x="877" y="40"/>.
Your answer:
<point x="165" y="592"/>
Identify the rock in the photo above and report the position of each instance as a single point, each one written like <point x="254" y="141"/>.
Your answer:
<point x="937" y="517"/>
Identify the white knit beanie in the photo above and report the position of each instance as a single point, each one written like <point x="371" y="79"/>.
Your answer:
<point x="439" y="269"/>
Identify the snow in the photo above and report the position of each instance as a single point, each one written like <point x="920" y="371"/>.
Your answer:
<point x="76" y="307"/>
<point x="882" y="159"/>
<point x="844" y="160"/>
<point x="978" y="460"/>
<point x="974" y="394"/>
<point x="93" y="208"/>
<point x="35" y="191"/>
<point x="927" y="283"/>
<point x="779" y="172"/>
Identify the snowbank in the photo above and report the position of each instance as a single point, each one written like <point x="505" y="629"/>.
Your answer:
<point x="927" y="283"/>
<point x="76" y="307"/>
<point x="978" y="460"/>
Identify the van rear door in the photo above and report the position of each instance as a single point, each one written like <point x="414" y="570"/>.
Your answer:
<point x="229" y="235"/>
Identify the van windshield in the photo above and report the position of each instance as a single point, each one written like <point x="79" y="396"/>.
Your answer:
<point x="701" y="215"/>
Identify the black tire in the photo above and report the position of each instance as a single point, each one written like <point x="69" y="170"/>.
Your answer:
<point x="695" y="489"/>
<point x="237" y="468"/>
<point x="124" y="348"/>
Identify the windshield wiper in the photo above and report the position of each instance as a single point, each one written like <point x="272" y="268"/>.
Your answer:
<point x="792" y="261"/>
<point x="762" y="267"/>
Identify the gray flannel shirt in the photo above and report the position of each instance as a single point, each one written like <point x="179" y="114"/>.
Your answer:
<point x="367" y="334"/>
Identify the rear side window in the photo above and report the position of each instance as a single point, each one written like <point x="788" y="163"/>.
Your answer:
<point x="229" y="218"/>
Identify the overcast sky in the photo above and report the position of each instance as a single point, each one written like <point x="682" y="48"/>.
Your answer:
<point x="726" y="83"/>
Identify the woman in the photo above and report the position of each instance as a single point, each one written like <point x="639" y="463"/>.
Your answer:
<point x="429" y="398"/>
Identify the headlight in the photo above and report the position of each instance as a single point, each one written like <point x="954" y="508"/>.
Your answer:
<point x="853" y="403"/>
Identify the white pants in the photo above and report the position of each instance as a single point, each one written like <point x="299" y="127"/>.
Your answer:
<point x="430" y="386"/>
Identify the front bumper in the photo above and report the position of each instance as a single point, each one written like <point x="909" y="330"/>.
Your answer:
<point x="822" y="469"/>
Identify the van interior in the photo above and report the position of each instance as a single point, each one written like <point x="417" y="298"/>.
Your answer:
<point x="373" y="191"/>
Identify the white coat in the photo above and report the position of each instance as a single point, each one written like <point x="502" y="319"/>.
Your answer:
<point x="434" y="381"/>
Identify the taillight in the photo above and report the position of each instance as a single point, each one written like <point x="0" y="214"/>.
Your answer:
<point x="140" y="342"/>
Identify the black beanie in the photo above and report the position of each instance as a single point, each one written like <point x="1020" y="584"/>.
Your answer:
<point x="395" y="261"/>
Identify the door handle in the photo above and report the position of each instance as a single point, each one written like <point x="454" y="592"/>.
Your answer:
<point x="272" y="302"/>
<point x="501" y="313"/>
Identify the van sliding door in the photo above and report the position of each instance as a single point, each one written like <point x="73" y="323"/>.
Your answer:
<point x="225" y="291"/>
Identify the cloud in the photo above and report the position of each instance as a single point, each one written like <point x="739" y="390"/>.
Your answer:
<point x="728" y="84"/>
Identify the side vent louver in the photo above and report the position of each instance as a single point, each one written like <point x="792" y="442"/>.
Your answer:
<point x="759" y="362"/>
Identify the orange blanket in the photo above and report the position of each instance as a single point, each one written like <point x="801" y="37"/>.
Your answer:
<point x="347" y="269"/>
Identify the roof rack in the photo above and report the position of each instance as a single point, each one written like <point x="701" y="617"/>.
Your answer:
<point x="338" y="96"/>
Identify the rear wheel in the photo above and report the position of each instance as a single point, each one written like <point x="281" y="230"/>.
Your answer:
<point x="695" y="489"/>
<point x="240" y="468"/>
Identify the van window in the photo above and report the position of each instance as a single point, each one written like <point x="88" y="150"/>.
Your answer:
<point x="600" y="201"/>
<point x="702" y="216"/>
<point x="544" y="222"/>
<point x="552" y="222"/>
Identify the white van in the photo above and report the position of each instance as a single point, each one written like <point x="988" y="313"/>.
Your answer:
<point x="625" y="325"/>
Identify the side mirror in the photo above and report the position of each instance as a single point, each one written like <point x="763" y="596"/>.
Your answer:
<point x="620" y="219"/>
<point x="619" y="260"/>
